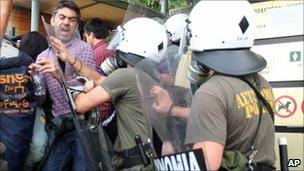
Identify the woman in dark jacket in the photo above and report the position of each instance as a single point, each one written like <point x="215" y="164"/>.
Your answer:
<point x="33" y="43"/>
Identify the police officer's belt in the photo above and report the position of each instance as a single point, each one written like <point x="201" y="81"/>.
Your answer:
<point x="256" y="167"/>
<point x="132" y="156"/>
<point x="262" y="167"/>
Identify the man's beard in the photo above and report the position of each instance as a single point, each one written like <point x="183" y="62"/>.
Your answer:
<point x="65" y="38"/>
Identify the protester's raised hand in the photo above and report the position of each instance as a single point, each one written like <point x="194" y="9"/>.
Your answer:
<point x="33" y="68"/>
<point x="47" y="65"/>
<point x="63" y="53"/>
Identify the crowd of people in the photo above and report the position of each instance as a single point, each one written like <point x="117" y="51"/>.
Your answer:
<point x="225" y="110"/>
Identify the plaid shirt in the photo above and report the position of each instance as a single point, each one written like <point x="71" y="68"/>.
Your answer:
<point x="82" y="51"/>
<point x="101" y="52"/>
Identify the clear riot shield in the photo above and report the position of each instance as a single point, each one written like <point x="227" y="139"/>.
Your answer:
<point x="134" y="10"/>
<point x="161" y="99"/>
<point x="92" y="137"/>
<point x="166" y="106"/>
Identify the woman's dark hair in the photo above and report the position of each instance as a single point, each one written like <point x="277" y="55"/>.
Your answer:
<point x="67" y="4"/>
<point x="98" y="27"/>
<point x="33" y="43"/>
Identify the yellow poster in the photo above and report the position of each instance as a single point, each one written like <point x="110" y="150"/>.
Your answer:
<point x="278" y="18"/>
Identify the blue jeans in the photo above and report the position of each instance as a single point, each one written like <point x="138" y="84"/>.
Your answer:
<point x="16" y="133"/>
<point x="66" y="154"/>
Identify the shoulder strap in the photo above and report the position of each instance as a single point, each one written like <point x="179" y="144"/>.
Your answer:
<point x="257" y="88"/>
<point x="257" y="92"/>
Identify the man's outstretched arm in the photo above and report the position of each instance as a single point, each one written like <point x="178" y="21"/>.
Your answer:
<point x="6" y="8"/>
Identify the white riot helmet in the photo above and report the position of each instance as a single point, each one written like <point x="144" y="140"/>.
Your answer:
<point x="221" y="34"/>
<point x="175" y="25"/>
<point x="142" y="38"/>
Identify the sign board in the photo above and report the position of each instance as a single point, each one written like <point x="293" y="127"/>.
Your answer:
<point x="278" y="18"/>
<point x="184" y="10"/>
<point x="288" y="103"/>
<point x="285" y="106"/>
<point x="284" y="61"/>
<point x="188" y="160"/>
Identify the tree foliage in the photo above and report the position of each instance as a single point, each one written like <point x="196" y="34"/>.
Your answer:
<point x="155" y="4"/>
<point x="178" y="4"/>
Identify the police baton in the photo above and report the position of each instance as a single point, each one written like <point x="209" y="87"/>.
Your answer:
<point x="283" y="153"/>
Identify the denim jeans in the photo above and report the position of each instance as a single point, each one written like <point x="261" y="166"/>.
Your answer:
<point x="66" y="154"/>
<point x="16" y="133"/>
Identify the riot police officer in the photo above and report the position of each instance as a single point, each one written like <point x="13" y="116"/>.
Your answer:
<point x="226" y="113"/>
<point x="143" y="39"/>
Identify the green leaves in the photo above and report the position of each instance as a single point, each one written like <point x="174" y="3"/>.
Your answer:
<point x="178" y="4"/>
<point x="155" y="4"/>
